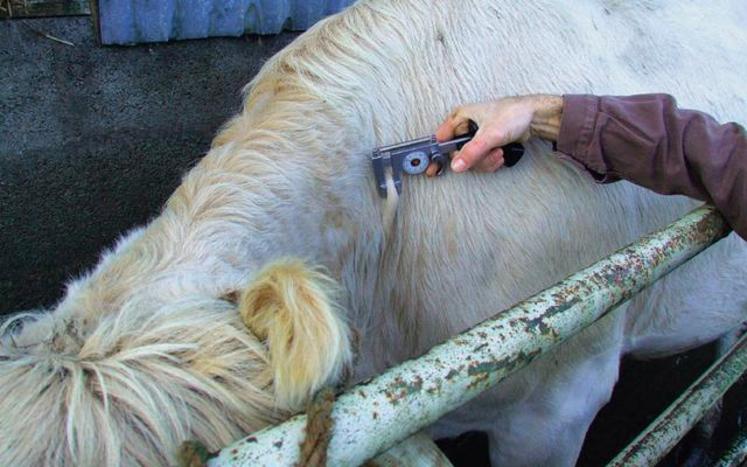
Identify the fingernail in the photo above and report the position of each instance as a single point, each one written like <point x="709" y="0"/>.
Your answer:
<point x="458" y="165"/>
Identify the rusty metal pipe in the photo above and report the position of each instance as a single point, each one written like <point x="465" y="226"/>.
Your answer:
<point x="736" y="453"/>
<point x="375" y="415"/>
<point x="663" y="433"/>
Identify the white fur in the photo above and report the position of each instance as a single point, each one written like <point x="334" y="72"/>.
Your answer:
<point x="290" y="176"/>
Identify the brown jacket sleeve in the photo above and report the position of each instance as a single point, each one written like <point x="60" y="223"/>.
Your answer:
<point x="647" y="140"/>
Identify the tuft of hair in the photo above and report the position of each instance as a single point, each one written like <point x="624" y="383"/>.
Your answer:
<point x="132" y="387"/>
<point x="292" y="307"/>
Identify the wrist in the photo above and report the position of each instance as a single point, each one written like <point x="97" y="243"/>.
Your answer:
<point x="546" y="117"/>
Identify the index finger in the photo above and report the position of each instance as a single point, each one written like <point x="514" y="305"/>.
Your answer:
<point x="449" y="128"/>
<point x="446" y="130"/>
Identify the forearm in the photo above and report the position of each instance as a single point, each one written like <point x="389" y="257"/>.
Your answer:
<point x="547" y="117"/>
<point x="647" y="140"/>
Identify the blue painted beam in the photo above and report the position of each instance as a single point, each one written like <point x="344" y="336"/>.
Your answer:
<point x="137" y="21"/>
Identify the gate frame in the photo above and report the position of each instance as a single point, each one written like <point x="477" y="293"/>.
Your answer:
<point x="414" y="394"/>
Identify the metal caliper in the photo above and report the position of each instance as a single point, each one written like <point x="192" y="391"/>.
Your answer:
<point x="413" y="157"/>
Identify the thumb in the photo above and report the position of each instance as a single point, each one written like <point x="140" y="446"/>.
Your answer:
<point x="472" y="153"/>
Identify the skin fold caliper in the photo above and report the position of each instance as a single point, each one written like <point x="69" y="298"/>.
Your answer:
<point x="413" y="157"/>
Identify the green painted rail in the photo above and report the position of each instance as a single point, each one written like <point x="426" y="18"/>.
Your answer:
<point x="376" y="415"/>
<point x="663" y="433"/>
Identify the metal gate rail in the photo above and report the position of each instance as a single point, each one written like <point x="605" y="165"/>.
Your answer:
<point x="375" y="415"/>
<point x="736" y="453"/>
<point x="653" y="443"/>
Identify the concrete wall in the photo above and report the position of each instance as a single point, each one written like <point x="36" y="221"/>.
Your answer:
<point x="94" y="139"/>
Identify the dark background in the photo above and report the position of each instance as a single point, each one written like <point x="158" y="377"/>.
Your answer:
<point x="93" y="140"/>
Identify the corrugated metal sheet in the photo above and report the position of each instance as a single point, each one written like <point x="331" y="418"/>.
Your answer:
<point x="136" y="21"/>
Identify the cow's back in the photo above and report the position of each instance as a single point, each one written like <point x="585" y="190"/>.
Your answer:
<point x="463" y="247"/>
<point x="466" y="246"/>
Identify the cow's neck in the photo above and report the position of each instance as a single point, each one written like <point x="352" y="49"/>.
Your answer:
<point x="290" y="192"/>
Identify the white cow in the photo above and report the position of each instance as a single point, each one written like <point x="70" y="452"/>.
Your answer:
<point x="149" y="349"/>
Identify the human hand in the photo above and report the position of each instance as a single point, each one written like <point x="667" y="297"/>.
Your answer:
<point x="507" y="120"/>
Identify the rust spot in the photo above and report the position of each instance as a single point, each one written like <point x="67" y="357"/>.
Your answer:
<point x="564" y="305"/>
<point x="234" y="451"/>
<point x="516" y="322"/>
<point x="433" y="390"/>
<point x="453" y="372"/>
<point x="400" y="389"/>
<point x="482" y="370"/>
<point x="539" y="324"/>
<point x="477" y="380"/>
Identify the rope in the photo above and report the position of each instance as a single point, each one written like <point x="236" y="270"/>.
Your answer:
<point x="319" y="424"/>
<point x="193" y="454"/>
<point x="318" y="430"/>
